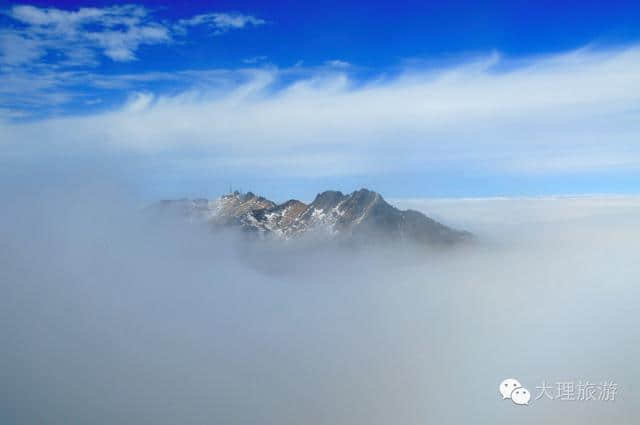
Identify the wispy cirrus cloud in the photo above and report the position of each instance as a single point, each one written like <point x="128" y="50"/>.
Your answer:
<point x="81" y="37"/>
<point x="254" y="59"/>
<point x="219" y="22"/>
<point x="49" y="57"/>
<point x="78" y="36"/>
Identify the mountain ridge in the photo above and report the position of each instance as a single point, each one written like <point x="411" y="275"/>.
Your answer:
<point x="362" y="215"/>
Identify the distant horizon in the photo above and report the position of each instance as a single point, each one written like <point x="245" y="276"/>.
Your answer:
<point x="422" y="198"/>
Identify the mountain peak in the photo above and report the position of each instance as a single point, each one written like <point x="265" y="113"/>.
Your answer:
<point x="328" y="197"/>
<point x="363" y="191"/>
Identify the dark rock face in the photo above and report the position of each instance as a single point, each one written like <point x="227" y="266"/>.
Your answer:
<point x="327" y="200"/>
<point x="362" y="216"/>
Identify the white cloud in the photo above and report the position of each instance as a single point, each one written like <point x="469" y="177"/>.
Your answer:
<point x="220" y="22"/>
<point x="338" y="63"/>
<point x="569" y="113"/>
<point x="55" y="17"/>
<point x="254" y="59"/>
<point x="139" y="102"/>
<point x="121" y="46"/>
<point x="115" y="31"/>
<point x="17" y="49"/>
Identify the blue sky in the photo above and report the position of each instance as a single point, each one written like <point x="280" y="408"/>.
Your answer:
<point x="411" y="98"/>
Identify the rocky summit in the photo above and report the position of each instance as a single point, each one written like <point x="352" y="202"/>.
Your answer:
<point x="360" y="216"/>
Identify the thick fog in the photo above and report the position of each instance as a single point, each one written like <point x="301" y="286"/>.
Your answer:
<point x="110" y="316"/>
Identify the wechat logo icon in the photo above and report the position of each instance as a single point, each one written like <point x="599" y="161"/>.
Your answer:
<point x="512" y="389"/>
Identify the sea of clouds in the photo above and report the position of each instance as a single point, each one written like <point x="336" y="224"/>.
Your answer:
<point x="108" y="316"/>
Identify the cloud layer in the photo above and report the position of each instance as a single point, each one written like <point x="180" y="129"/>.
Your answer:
<point x="575" y="112"/>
